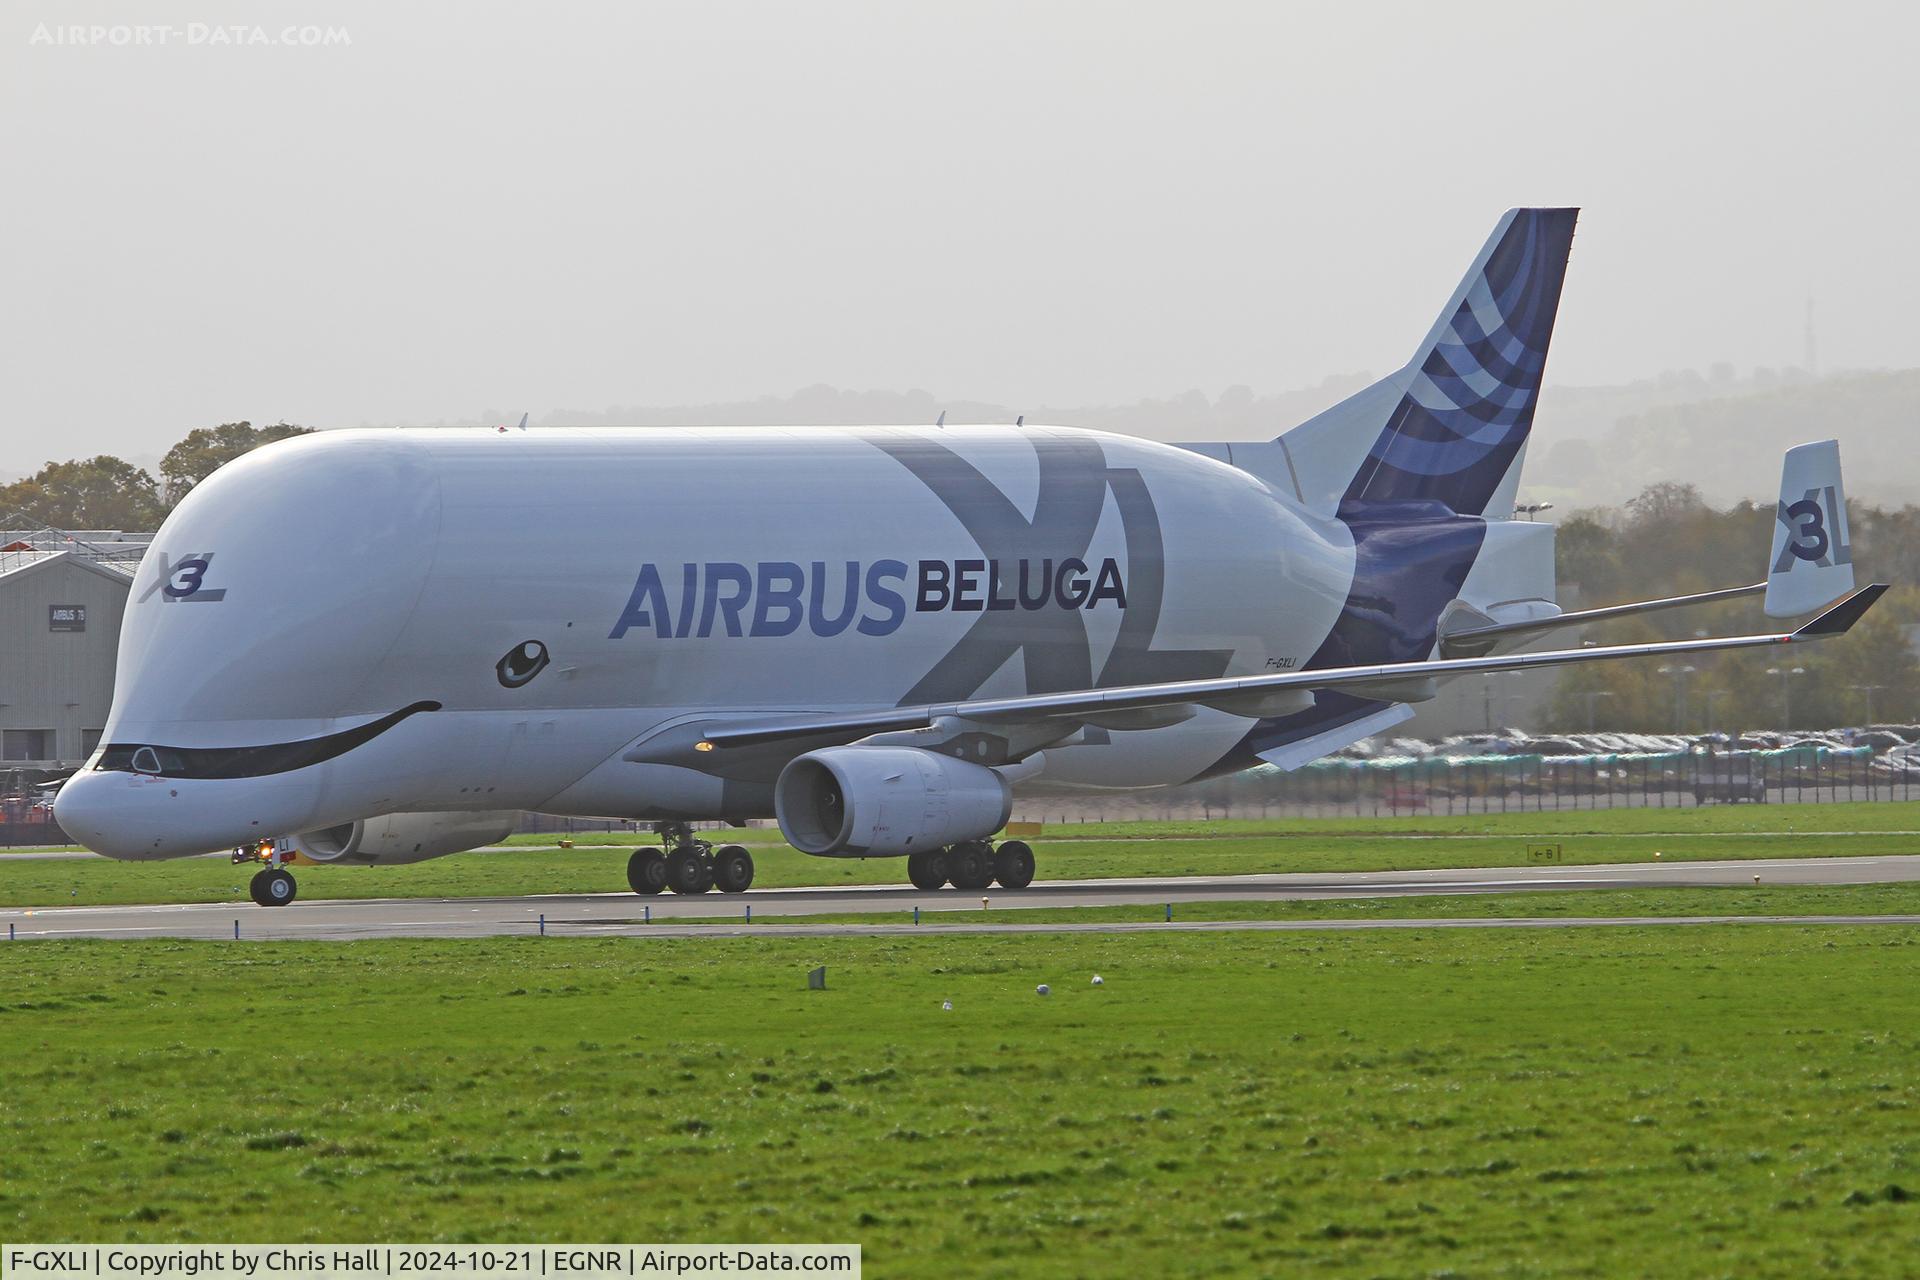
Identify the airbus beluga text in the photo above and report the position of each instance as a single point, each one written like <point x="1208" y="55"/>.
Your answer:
<point x="877" y="636"/>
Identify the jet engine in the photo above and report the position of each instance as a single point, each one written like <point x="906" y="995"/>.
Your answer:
<point x="399" y="838"/>
<point x="849" y="802"/>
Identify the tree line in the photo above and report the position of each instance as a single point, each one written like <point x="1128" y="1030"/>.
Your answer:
<point x="106" y="492"/>
<point x="1669" y="541"/>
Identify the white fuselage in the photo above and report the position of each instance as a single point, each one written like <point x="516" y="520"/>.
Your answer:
<point x="670" y="575"/>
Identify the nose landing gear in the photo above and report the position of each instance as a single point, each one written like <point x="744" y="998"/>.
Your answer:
<point x="685" y="864"/>
<point x="973" y="864"/>
<point x="273" y="885"/>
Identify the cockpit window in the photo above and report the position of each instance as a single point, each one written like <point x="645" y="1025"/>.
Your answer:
<point x="245" y="762"/>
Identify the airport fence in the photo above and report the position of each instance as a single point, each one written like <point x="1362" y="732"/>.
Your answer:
<point x="30" y="834"/>
<point x="1462" y="785"/>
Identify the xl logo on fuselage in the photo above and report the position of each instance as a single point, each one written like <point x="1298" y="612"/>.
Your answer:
<point x="1030" y="592"/>
<point x="1053" y="645"/>
<point x="183" y="579"/>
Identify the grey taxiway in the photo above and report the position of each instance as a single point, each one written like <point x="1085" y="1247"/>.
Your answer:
<point x="774" y="911"/>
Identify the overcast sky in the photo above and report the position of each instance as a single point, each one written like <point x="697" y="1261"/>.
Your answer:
<point x="589" y="204"/>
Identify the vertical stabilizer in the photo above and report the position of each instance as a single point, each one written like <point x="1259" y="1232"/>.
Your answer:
<point x="1451" y="426"/>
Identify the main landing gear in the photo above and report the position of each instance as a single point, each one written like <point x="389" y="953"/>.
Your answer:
<point x="686" y="865"/>
<point x="973" y="864"/>
<point x="272" y="885"/>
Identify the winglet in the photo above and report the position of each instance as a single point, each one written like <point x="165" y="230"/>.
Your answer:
<point x="1840" y="619"/>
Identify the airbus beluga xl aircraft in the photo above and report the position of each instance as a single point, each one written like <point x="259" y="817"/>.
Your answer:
<point x="876" y="635"/>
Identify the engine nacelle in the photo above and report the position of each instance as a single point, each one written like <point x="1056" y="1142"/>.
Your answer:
<point x="849" y="802"/>
<point x="399" y="838"/>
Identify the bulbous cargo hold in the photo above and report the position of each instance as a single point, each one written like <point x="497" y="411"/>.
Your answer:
<point x="849" y="802"/>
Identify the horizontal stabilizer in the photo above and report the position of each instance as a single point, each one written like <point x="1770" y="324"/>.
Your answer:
<point x="1840" y="619"/>
<point x="1472" y="641"/>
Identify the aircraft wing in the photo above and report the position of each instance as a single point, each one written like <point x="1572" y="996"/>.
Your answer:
<point x="1383" y="681"/>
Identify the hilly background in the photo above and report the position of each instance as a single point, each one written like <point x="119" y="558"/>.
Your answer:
<point x="1719" y="431"/>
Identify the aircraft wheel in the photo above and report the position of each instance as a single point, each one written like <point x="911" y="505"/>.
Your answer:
<point x="688" y="872"/>
<point x="732" y="869"/>
<point x="927" y="870"/>
<point x="273" y="888"/>
<point x="970" y="865"/>
<point x="647" y="871"/>
<point x="1013" y="864"/>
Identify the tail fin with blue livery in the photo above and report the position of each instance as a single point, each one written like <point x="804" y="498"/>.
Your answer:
<point x="1449" y="429"/>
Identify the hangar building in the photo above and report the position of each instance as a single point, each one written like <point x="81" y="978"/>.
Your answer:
<point x="61" y="597"/>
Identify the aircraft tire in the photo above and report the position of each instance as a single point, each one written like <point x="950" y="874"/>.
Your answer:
<point x="927" y="871"/>
<point x="688" y="872"/>
<point x="1013" y="864"/>
<point x="732" y="869"/>
<point x="274" y="888"/>
<point x="647" y="871"/>
<point x="254" y="891"/>
<point x="970" y="865"/>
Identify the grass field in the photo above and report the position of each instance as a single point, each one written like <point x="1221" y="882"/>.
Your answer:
<point x="597" y="864"/>
<point x="1714" y="1101"/>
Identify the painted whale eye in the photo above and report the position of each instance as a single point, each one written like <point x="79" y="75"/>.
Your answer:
<point x="522" y="663"/>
